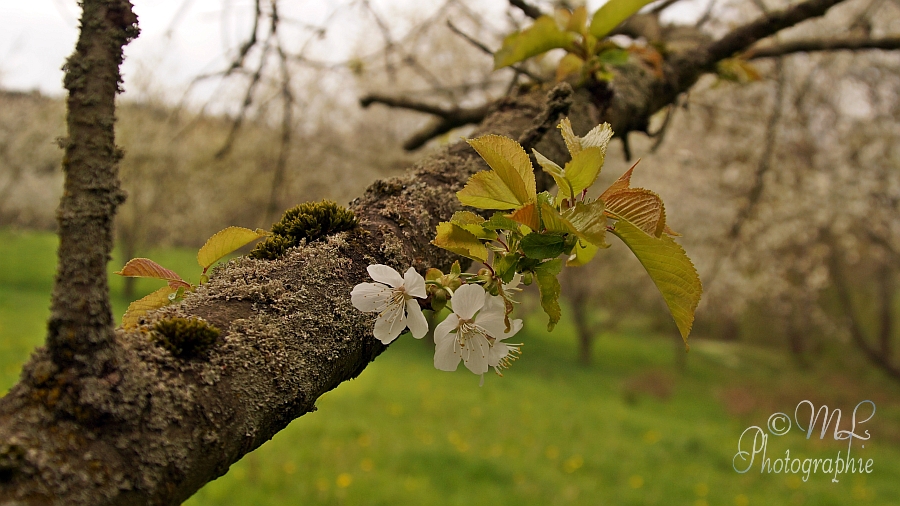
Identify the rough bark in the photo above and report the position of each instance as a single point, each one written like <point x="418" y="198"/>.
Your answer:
<point x="80" y="330"/>
<point x="150" y="428"/>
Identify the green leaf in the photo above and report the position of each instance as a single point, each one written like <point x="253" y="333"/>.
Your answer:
<point x="473" y="223"/>
<point x="612" y="13"/>
<point x="556" y="172"/>
<point x="670" y="269"/>
<point x="500" y="222"/>
<point x="454" y="238"/>
<point x="538" y="38"/>
<point x="540" y="246"/>
<point x="485" y="190"/>
<point x="528" y="216"/>
<point x="549" y="287"/>
<point x="140" y="307"/>
<point x="583" y="169"/>
<point x="553" y="221"/>
<point x="615" y="57"/>
<point x="505" y="266"/>
<point x="510" y="162"/>
<point x="226" y="241"/>
<point x="598" y="137"/>
<point x="583" y="253"/>
<point x="570" y="64"/>
<point x="589" y="222"/>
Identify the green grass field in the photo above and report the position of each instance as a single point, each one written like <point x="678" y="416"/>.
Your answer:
<point x="633" y="428"/>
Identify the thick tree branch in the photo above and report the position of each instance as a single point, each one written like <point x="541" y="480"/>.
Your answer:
<point x="816" y="45"/>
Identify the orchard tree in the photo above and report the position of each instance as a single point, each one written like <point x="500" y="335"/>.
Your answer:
<point x="150" y="412"/>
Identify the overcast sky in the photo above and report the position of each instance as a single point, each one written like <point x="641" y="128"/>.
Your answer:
<point x="179" y="38"/>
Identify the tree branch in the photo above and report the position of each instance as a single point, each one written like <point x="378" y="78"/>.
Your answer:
<point x="745" y="36"/>
<point x="448" y="119"/>
<point x="814" y="45"/>
<point x="80" y="328"/>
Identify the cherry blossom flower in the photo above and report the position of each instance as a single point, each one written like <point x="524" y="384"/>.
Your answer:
<point x="474" y="333"/>
<point x="392" y="296"/>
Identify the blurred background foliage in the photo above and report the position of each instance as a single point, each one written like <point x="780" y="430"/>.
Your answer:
<point x="786" y="191"/>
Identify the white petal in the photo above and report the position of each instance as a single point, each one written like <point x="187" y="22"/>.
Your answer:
<point x="497" y="328"/>
<point x="446" y="353"/>
<point x="444" y="328"/>
<point x="368" y="297"/>
<point x="414" y="283"/>
<point x="385" y="274"/>
<point x="415" y="319"/>
<point x="390" y="324"/>
<point x="496" y="353"/>
<point x="494" y="305"/>
<point x="475" y="354"/>
<point x="467" y="300"/>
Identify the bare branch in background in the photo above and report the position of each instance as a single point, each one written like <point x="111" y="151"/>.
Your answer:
<point x="448" y="119"/>
<point x="520" y="69"/>
<point x="816" y="45"/>
<point x="529" y="10"/>
<point x="663" y="6"/>
<point x="759" y="179"/>
<point x="854" y="320"/>
<point x="287" y="121"/>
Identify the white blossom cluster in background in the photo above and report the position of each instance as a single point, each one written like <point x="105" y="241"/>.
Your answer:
<point x="474" y="332"/>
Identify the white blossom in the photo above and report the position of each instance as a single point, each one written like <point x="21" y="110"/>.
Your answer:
<point x="393" y="297"/>
<point x="474" y="333"/>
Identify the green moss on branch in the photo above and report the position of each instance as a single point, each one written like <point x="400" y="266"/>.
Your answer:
<point x="308" y="221"/>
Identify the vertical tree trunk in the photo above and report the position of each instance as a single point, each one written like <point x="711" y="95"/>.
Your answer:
<point x="80" y="329"/>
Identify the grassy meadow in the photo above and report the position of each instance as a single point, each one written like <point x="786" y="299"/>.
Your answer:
<point x="632" y="428"/>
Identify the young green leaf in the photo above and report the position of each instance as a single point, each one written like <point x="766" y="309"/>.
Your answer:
<point x="528" y="216"/>
<point x="569" y="65"/>
<point x="454" y="238"/>
<point x="553" y="221"/>
<point x="549" y="287"/>
<point x="500" y="222"/>
<point x="669" y="268"/>
<point x="485" y="190"/>
<point x="538" y="38"/>
<point x="583" y="169"/>
<point x="612" y="13"/>
<point x="146" y="268"/>
<point x="589" y="222"/>
<point x="474" y="224"/>
<point x="505" y="266"/>
<point x="598" y="137"/>
<point x="557" y="173"/>
<point x="582" y="253"/>
<point x="510" y="162"/>
<point x="226" y="241"/>
<point x="540" y="246"/>
<point x="140" y="307"/>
